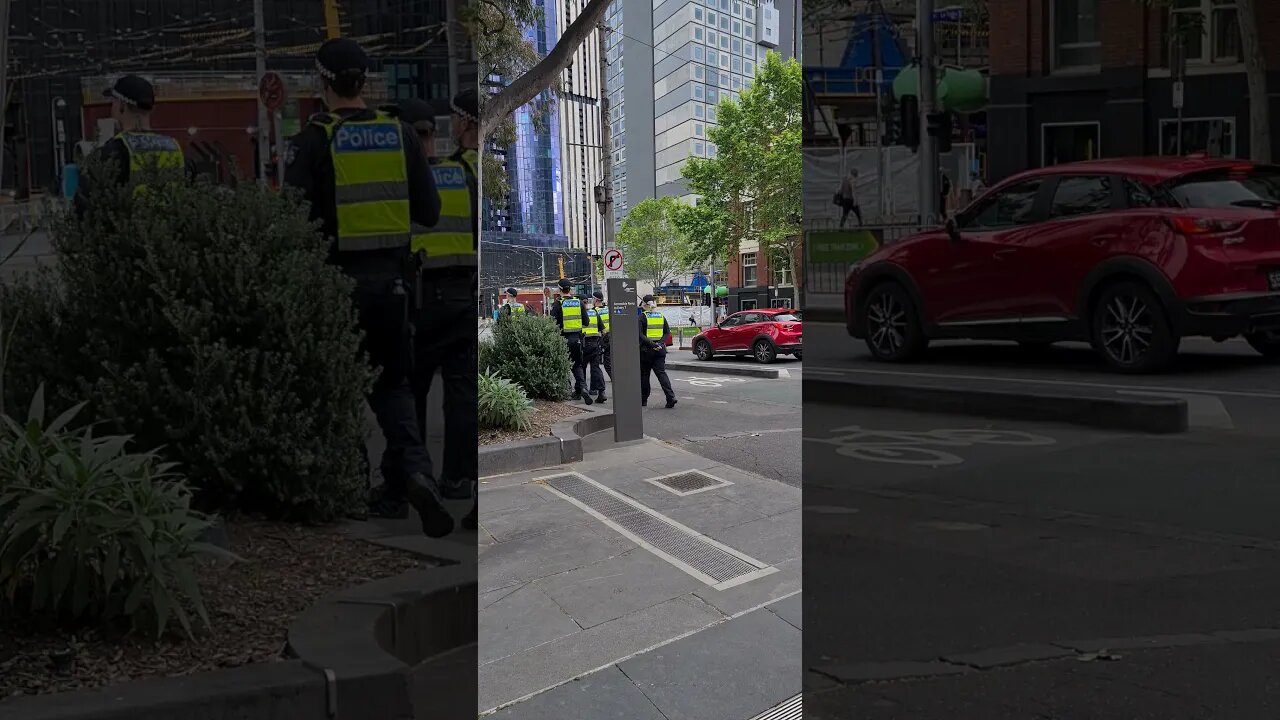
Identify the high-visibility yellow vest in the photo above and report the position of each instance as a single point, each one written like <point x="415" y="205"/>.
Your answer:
<point x="148" y="150"/>
<point x="451" y="242"/>
<point x="571" y="314"/>
<point x="371" y="181"/>
<point x="517" y="308"/>
<point x="653" y="322"/>
<point x="603" y="312"/>
<point x="590" y="329"/>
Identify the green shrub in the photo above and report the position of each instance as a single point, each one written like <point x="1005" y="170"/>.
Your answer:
<point x="502" y="404"/>
<point x="529" y="351"/>
<point x="205" y="320"/>
<point x="487" y="359"/>
<point x="92" y="531"/>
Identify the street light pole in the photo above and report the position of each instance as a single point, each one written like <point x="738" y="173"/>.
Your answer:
<point x="606" y="142"/>
<point x="260" y="55"/>
<point x="4" y="77"/>
<point x="928" y="153"/>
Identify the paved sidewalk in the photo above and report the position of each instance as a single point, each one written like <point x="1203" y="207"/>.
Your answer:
<point x="590" y="613"/>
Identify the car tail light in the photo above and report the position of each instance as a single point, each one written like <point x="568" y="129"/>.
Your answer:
<point x="1204" y="226"/>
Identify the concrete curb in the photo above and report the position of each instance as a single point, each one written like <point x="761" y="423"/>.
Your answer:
<point x="393" y="648"/>
<point x="563" y="446"/>
<point x="725" y="369"/>
<point x="1151" y="415"/>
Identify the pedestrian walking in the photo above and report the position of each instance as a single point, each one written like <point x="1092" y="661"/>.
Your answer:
<point x="847" y="198"/>
<point x="134" y="147"/>
<point x="593" y="351"/>
<point x="445" y="336"/>
<point x="606" y="344"/>
<point x="330" y="162"/>
<point x="568" y="312"/>
<point x="653" y="351"/>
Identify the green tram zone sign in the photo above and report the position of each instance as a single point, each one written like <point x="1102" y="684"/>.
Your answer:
<point x="842" y="246"/>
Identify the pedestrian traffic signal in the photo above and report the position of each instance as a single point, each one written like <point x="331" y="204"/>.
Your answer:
<point x="940" y="129"/>
<point x="909" y="122"/>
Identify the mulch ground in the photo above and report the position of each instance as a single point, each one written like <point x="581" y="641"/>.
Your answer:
<point x="545" y="414"/>
<point x="284" y="570"/>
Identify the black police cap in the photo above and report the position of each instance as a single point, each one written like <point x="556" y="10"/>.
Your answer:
<point x="341" y="56"/>
<point x="565" y="285"/>
<point x="133" y="91"/>
<point x="597" y="295"/>
<point x="646" y="298"/>
<point x="467" y="105"/>
<point x="511" y="291"/>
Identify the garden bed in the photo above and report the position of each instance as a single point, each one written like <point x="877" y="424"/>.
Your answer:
<point x="545" y="414"/>
<point x="284" y="570"/>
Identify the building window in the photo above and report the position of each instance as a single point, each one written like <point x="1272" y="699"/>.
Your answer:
<point x="713" y="96"/>
<point x="724" y="41"/>
<point x="711" y="114"/>
<point x="749" y="32"/>
<point x="748" y="68"/>
<point x="698" y="129"/>
<point x="711" y="18"/>
<point x="737" y="27"/>
<point x="724" y="60"/>
<point x="749" y="13"/>
<point x="1069" y="142"/>
<point x="697" y="91"/>
<point x="697" y="110"/>
<point x="748" y="270"/>
<point x="1076" y="43"/>
<point x="724" y="80"/>
<point x="1209" y="29"/>
<point x="1215" y="137"/>
<point x="697" y="34"/>
<point x="748" y="304"/>
<point x="698" y="53"/>
<point x="697" y="72"/>
<point x="697" y="13"/>
<point x="724" y="24"/>
<point x="737" y="64"/>
<point x="711" y="38"/>
<point x="699" y="149"/>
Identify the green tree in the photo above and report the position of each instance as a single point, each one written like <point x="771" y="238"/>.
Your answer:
<point x="652" y="241"/>
<point x="750" y="189"/>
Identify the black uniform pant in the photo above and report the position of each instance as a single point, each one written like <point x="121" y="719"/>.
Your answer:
<point x="592" y="355"/>
<point x="655" y="362"/>
<point x="381" y="298"/>
<point x="574" y="343"/>
<point x="606" y="355"/>
<point x="445" y="342"/>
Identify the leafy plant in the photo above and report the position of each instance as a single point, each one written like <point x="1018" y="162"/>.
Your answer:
<point x="92" y="531"/>
<point x="206" y="320"/>
<point x="529" y="351"/>
<point x="486" y="356"/>
<point x="502" y="404"/>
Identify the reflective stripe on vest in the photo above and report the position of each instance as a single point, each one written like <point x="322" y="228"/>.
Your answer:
<point x="571" y="314"/>
<point x="517" y="308"/>
<point x="603" y="312"/>
<point x="371" y="182"/>
<point x="450" y="243"/>
<point x="590" y="328"/>
<point x="148" y="150"/>
<point x="653" y="325"/>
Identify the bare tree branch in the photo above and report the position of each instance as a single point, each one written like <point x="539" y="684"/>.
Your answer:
<point x="540" y="76"/>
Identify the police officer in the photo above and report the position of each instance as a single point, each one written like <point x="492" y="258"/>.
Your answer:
<point x="134" y="147"/>
<point x="511" y="306"/>
<point x="606" y="353"/>
<point x="445" y="337"/>
<point x="569" y="313"/>
<point x="592" y="350"/>
<point x="421" y="115"/>
<point x="367" y="168"/>
<point x="653" y="351"/>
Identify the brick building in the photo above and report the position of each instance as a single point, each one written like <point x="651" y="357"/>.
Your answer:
<point x="1074" y="79"/>
<point x="754" y="283"/>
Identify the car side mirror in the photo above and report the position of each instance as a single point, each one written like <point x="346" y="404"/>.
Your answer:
<point x="953" y="230"/>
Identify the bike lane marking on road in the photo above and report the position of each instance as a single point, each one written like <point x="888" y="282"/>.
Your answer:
<point x="1036" y="381"/>
<point x="921" y="447"/>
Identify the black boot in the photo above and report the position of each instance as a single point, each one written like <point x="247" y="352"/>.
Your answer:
<point x="586" y="398"/>
<point x="472" y="521"/>
<point x="671" y="403"/>
<point x="383" y="503"/>
<point x="426" y="499"/>
<point x="601" y="398"/>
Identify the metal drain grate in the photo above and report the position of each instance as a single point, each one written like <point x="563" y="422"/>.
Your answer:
<point x="688" y="482"/>
<point x="789" y="710"/>
<point x="715" y="564"/>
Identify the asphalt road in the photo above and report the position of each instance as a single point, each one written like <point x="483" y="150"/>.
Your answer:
<point x="749" y="423"/>
<point x="964" y="564"/>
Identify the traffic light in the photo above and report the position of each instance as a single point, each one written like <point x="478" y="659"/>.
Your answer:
<point x="909" y="122"/>
<point x="940" y="129"/>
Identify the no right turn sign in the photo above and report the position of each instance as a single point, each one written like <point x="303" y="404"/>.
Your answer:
<point x="613" y="263"/>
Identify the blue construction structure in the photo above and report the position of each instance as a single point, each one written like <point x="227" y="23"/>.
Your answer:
<point x="855" y="76"/>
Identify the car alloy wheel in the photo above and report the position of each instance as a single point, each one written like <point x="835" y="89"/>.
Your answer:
<point x="764" y="352"/>
<point x="1127" y="329"/>
<point x="886" y="324"/>
<point x="702" y="350"/>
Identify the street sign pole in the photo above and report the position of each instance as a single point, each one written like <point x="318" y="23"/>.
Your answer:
<point x="624" y="343"/>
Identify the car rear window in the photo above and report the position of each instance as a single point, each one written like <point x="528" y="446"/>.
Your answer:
<point x="1227" y="187"/>
<point x="785" y="317"/>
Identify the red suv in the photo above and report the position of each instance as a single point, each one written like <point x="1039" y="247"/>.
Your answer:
<point x="765" y="334"/>
<point x="1130" y="255"/>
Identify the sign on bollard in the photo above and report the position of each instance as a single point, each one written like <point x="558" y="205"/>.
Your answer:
<point x="624" y="343"/>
